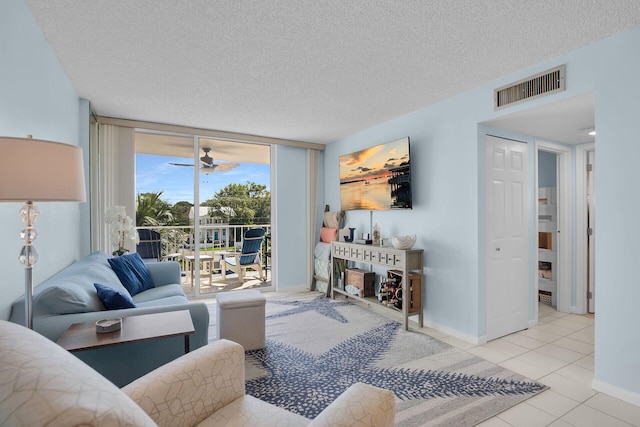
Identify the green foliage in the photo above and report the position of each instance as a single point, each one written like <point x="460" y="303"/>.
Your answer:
<point x="180" y="213"/>
<point x="248" y="203"/>
<point x="151" y="210"/>
<point x="339" y="267"/>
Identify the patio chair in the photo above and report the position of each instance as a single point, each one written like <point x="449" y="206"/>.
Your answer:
<point x="249" y="256"/>
<point x="150" y="246"/>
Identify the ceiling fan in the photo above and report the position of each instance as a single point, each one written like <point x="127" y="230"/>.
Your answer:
<point x="208" y="166"/>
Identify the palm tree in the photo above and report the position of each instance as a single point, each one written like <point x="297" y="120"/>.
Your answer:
<point x="152" y="211"/>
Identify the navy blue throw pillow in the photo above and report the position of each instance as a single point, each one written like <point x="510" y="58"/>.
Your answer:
<point x="132" y="272"/>
<point x="112" y="299"/>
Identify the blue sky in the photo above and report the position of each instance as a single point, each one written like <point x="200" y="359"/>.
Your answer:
<point x="155" y="174"/>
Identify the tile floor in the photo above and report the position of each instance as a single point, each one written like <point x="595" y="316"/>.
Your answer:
<point x="559" y="353"/>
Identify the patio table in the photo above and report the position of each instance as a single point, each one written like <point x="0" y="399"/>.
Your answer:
<point x="203" y="259"/>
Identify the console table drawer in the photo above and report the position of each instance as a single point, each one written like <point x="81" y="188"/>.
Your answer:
<point x="356" y="253"/>
<point x="370" y="255"/>
<point x="353" y="252"/>
<point x="341" y="251"/>
<point x="391" y="259"/>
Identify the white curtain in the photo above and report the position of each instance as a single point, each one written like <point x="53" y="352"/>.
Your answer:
<point x="312" y="207"/>
<point x="114" y="180"/>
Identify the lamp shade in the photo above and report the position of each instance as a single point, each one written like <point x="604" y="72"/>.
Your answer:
<point x="40" y="171"/>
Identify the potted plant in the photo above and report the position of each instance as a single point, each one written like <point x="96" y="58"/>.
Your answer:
<point x="122" y="228"/>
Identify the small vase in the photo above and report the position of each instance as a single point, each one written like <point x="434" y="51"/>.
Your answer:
<point x="120" y="252"/>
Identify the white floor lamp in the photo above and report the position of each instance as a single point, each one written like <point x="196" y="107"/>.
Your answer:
<point x="33" y="170"/>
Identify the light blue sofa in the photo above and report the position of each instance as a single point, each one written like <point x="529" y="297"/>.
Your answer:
<point x="70" y="297"/>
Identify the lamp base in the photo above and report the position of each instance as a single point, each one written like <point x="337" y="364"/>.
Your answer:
<point x="28" y="256"/>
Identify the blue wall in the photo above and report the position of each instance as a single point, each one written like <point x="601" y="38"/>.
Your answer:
<point x="447" y="145"/>
<point x="547" y="169"/>
<point x="37" y="99"/>
<point x="290" y="228"/>
<point x="617" y="234"/>
<point x="444" y="204"/>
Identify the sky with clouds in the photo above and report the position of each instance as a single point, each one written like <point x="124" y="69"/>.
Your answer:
<point x="155" y="173"/>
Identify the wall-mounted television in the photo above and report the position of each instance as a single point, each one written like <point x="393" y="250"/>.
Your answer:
<point x="377" y="178"/>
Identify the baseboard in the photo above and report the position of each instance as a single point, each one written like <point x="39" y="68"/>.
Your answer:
<point x="575" y="310"/>
<point x="455" y="333"/>
<point x="294" y="288"/>
<point x="617" y="392"/>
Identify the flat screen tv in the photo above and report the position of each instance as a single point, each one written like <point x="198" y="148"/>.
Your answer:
<point x="377" y="178"/>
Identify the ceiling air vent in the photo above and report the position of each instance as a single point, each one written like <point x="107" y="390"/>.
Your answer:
<point x="545" y="83"/>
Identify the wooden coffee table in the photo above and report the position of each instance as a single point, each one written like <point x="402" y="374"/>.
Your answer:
<point x="144" y="327"/>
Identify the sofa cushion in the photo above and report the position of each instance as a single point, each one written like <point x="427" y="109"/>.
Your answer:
<point x="70" y="298"/>
<point x="163" y="302"/>
<point x="72" y="290"/>
<point x="132" y="272"/>
<point x="42" y="384"/>
<point x="159" y="293"/>
<point x="112" y="299"/>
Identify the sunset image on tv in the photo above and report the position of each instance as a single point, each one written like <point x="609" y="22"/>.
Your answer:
<point x="376" y="178"/>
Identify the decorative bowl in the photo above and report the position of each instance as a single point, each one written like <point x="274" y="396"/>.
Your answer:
<point x="104" y="326"/>
<point x="403" y="242"/>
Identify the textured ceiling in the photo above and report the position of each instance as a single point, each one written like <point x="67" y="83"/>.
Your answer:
<point x="308" y="70"/>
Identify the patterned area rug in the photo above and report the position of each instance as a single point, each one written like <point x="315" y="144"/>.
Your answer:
<point x="317" y="347"/>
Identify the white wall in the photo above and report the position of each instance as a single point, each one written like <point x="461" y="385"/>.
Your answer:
<point x="38" y="99"/>
<point x="447" y="150"/>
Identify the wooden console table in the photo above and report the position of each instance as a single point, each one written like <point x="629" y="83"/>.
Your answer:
<point x="403" y="262"/>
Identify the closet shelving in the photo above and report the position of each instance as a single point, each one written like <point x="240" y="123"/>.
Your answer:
<point x="547" y="245"/>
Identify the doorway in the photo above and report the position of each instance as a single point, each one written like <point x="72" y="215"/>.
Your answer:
<point x="553" y="225"/>
<point x="548" y="266"/>
<point x="569" y="122"/>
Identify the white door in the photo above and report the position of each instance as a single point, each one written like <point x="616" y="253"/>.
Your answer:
<point x="591" y="235"/>
<point x="507" y="242"/>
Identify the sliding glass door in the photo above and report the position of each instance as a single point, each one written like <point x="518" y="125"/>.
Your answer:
<point x="202" y="195"/>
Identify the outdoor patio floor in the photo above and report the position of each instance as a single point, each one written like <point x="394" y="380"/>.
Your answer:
<point x="251" y="281"/>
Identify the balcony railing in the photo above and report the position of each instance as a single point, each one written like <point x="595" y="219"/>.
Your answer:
<point x="217" y="240"/>
<point x="178" y="241"/>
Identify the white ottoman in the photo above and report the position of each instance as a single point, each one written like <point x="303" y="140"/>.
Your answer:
<point x="241" y="318"/>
